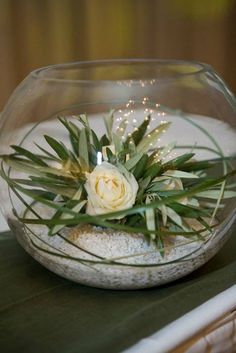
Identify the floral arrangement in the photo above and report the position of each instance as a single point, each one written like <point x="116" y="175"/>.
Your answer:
<point x="119" y="181"/>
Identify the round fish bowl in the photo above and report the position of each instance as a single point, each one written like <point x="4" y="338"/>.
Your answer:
<point x="120" y="174"/>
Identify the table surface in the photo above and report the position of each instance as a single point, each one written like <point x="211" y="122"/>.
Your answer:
<point x="41" y="312"/>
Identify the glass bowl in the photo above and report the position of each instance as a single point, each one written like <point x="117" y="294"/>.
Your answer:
<point x="176" y="178"/>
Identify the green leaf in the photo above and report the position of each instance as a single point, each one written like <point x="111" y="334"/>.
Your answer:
<point x="60" y="189"/>
<point x="108" y="120"/>
<point x="64" y="215"/>
<point x="96" y="142"/>
<point x="73" y="130"/>
<point x="50" y="155"/>
<point x="163" y="211"/>
<point x="54" y="171"/>
<point x="205" y="224"/>
<point x="51" y="179"/>
<point x="83" y="120"/>
<point x="174" y="216"/>
<point x="104" y="141"/>
<point x="197" y="165"/>
<point x="153" y="170"/>
<point x="150" y="219"/>
<point x="180" y="174"/>
<point x="110" y="156"/>
<point x="214" y="194"/>
<point x="36" y="194"/>
<point x="22" y="166"/>
<point x="131" y="147"/>
<point x="123" y="170"/>
<point x="153" y="157"/>
<point x="93" y="156"/>
<point x="32" y="156"/>
<point x="63" y="191"/>
<point x="143" y="184"/>
<point x="75" y="145"/>
<point x="134" y="220"/>
<point x="167" y="149"/>
<point x="120" y="131"/>
<point x="177" y="162"/>
<point x="189" y="211"/>
<point x="132" y="162"/>
<point x="58" y="147"/>
<point x="140" y="167"/>
<point x="117" y="143"/>
<point x="83" y="150"/>
<point x="139" y="133"/>
<point x="150" y="140"/>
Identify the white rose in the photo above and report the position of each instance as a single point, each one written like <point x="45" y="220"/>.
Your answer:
<point x="108" y="190"/>
<point x="169" y="183"/>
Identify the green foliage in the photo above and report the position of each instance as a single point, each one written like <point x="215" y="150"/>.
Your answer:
<point x="171" y="191"/>
<point x="138" y="134"/>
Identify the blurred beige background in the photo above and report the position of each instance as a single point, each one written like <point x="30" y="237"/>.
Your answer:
<point x="35" y="33"/>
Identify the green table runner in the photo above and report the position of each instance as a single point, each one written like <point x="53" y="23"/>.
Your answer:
<point x="43" y="313"/>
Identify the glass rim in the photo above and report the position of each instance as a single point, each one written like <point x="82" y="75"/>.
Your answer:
<point x="45" y="73"/>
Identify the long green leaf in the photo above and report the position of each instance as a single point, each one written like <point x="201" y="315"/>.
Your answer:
<point x="73" y="130"/>
<point x="140" y="166"/>
<point x="120" y="131"/>
<point x="96" y="142"/>
<point x="117" y="143"/>
<point x="108" y="120"/>
<point x="83" y="150"/>
<point x="65" y="215"/>
<point x="214" y="194"/>
<point x="166" y="150"/>
<point x="180" y="174"/>
<point x="22" y="166"/>
<point x="150" y="219"/>
<point x="54" y="188"/>
<point x="32" y="156"/>
<point x="174" y="216"/>
<point x="131" y="163"/>
<point x="151" y="138"/>
<point x="153" y="170"/>
<point x="48" y="154"/>
<point x="139" y="133"/>
<point x="177" y="162"/>
<point x="57" y="147"/>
